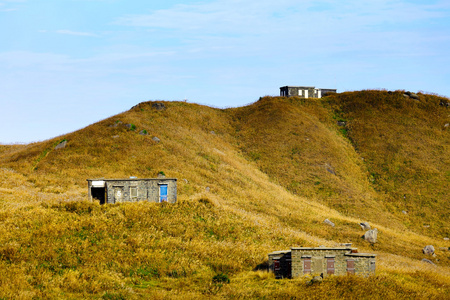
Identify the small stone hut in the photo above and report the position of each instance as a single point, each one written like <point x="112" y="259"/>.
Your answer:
<point x="304" y="91"/>
<point x="323" y="261"/>
<point x="133" y="190"/>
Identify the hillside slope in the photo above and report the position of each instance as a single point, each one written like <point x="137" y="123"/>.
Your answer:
<point x="251" y="180"/>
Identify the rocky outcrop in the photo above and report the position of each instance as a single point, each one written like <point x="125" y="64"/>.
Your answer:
<point x="328" y="222"/>
<point x="371" y="236"/>
<point x="365" y="226"/>
<point x="158" y="106"/>
<point x="411" y="95"/>
<point x="61" y="145"/>
<point x="428" y="250"/>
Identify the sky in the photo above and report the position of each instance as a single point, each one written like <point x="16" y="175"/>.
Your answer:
<point x="65" y="64"/>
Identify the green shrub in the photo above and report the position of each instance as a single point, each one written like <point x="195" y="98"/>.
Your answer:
<point x="221" y="278"/>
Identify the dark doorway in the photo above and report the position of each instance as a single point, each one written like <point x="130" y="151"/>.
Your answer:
<point x="99" y="193"/>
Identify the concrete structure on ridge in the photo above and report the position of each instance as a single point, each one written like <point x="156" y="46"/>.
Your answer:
<point x="304" y="91"/>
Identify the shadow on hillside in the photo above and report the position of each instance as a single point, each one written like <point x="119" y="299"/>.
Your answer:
<point x="262" y="266"/>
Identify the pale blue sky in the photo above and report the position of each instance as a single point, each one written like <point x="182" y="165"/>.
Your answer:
<point x="65" y="64"/>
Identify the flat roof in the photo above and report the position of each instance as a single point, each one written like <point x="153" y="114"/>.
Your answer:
<point x="298" y="86"/>
<point x="361" y="254"/>
<point x="131" y="179"/>
<point x="280" y="252"/>
<point x="323" y="248"/>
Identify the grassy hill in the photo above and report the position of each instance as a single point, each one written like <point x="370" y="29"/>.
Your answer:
<point x="251" y="180"/>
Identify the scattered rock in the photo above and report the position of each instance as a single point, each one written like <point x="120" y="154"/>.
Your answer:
<point x="328" y="222"/>
<point x="316" y="279"/>
<point x="446" y="239"/>
<point x="330" y="169"/>
<point x="428" y="250"/>
<point x="143" y="132"/>
<point x="115" y="136"/>
<point x="61" y="145"/>
<point x="414" y="96"/>
<point x="161" y="175"/>
<point x="365" y="226"/>
<point x="444" y="103"/>
<point x="185" y="180"/>
<point x="428" y="261"/>
<point x="155" y="139"/>
<point x="411" y="95"/>
<point x="447" y="124"/>
<point x="404" y="212"/>
<point x="207" y="189"/>
<point x="371" y="236"/>
<point x="117" y="123"/>
<point x="212" y="132"/>
<point x="341" y="123"/>
<point x="159" y="106"/>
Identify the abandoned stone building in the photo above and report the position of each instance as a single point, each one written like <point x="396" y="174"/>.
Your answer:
<point x="304" y="91"/>
<point x="323" y="261"/>
<point x="133" y="190"/>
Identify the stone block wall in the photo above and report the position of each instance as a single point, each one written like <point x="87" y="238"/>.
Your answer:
<point x="364" y="264"/>
<point x="119" y="190"/>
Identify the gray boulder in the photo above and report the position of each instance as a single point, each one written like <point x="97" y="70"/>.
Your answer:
<point x="316" y="280"/>
<point x="371" y="236"/>
<point x="159" y="106"/>
<point x="61" y="145"/>
<point x="365" y="226"/>
<point x="428" y="250"/>
<point x="428" y="261"/>
<point x="444" y="103"/>
<point x="411" y="95"/>
<point x="328" y="222"/>
<point x="155" y="139"/>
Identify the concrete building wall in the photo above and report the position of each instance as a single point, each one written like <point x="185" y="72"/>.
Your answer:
<point x="304" y="91"/>
<point x="133" y="190"/>
<point x="319" y="261"/>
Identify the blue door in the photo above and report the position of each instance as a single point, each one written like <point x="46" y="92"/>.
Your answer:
<point x="163" y="192"/>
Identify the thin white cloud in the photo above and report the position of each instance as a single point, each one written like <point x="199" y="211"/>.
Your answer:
<point x="246" y="17"/>
<point x="350" y="25"/>
<point x="5" y="5"/>
<point x="76" y="33"/>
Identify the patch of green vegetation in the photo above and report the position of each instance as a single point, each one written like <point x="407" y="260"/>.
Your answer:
<point x="221" y="278"/>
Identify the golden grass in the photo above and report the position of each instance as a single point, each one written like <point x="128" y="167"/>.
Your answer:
<point x="267" y="167"/>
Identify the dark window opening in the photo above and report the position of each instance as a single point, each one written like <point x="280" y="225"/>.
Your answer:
<point x="99" y="193"/>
